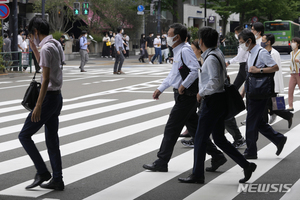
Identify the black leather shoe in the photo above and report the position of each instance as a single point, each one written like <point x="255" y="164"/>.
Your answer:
<point x="248" y="172"/>
<point x="216" y="164"/>
<point x="54" y="185"/>
<point x="281" y="145"/>
<point x="290" y="122"/>
<point x="156" y="168"/>
<point x="191" y="179"/>
<point x="249" y="157"/>
<point x="38" y="179"/>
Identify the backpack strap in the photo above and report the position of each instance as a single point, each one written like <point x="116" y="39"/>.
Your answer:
<point x="59" y="50"/>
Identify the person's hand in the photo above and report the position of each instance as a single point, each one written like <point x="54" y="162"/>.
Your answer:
<point x="36" y="114"/>
<point x="124" y="51"/>
<point x="141" y="49"/>
<point x="254" y="70"/>
<point x="145" y="47"/>
<point x="88" y="43"/>
<point x="297" y="60"/>
<point x="227" y="64"/>
<point x="156" y="94"/>
<point x="199" y="98"/>
<point x="118" y="52"/>
<point x="181" y="89"/>
<point x="87" y="50"/>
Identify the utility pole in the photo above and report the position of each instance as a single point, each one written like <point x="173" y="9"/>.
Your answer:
<point x="43" y="9"/>
<point x="205" y="12"/>
<point x="14" y="44"/>
<point x="158" y="17"/>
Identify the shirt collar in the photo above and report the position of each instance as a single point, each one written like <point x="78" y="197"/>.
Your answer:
<point x="254" y="49"/>
<point x="177" y="48"/>
<point x="205" y="53"/>
<point x="46" y="39"/>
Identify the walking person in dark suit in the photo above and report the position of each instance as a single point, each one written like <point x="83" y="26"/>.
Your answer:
<point x="47" y="108"/>
<point x="212" y="116"/>
<point x="255" y="123"/>
<point x="184" y="110"/>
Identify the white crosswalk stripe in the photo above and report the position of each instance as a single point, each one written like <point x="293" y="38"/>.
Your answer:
<point x="96" y="121"/>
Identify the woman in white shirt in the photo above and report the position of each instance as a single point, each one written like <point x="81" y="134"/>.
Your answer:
<point x="106" y="49"/>
<point x="294" y="67"/>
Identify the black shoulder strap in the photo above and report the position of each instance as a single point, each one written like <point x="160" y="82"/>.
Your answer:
<point x="226" y="77"/>
<point x="256" y="57"/>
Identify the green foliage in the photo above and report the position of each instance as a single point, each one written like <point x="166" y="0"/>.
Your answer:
<point x="110" y="14"/>
<point x="194" y="32"/>
<point x="56" y="35"/>
<point x="97" y="37"/>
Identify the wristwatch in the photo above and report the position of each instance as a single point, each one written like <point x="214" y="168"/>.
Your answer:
<point x="261" y="71"/>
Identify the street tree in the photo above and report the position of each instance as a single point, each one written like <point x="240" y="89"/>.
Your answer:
<point x="59" y="12"/>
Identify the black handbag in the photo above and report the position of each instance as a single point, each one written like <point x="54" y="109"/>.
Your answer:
<point x="31" y="94"/>
<point x="259" y="86"/>
<point x="184" y="72"/>
<point x="234" y="100"/>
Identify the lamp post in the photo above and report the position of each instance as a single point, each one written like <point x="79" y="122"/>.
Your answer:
<point x="205" y="21"/>
<point x="43" y="9"/>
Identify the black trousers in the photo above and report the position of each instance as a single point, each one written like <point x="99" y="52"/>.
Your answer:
<point x="255" y="123"/>
<point x="241" y="77"/>
<point x="183" y="113"/>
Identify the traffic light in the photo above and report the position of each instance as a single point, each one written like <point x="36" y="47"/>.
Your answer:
<point x="76" y="8"/>
<point x="152" y="9"/>
<point x="85" y="8"/>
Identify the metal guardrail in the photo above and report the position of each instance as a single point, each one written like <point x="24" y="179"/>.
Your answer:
<point x="9" y="63"/>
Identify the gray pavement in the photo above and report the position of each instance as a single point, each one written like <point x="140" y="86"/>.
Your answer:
<point x="110" y="127"/>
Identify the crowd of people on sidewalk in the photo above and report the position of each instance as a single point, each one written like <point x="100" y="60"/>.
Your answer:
<point x="202" y="88"/>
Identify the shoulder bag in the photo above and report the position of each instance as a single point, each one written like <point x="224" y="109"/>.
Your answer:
<point x="259" y="86"/>
<point x="31" y="94"/>
<point x="184" y="72"/>
<point x="234" y="100"/>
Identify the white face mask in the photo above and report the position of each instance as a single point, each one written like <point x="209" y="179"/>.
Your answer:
<point x="294" y="45"/>
<point x="244" y="47"/>
<point x="170" y="41"/>
<point x="158" y="36"/>
<point x="122" y="31"/>
<point x="236" y="36"/>
<point x="85" y="35"/>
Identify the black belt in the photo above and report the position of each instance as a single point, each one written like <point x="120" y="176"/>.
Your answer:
<point x="83" y="49"/>
<point x="54" y="92"/>
<point x="186" y="92"/>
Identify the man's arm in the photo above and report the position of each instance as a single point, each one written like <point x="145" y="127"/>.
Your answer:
<point x="36" y="113"/>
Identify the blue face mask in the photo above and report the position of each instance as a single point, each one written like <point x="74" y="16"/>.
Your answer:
<point x="263" y="44"/>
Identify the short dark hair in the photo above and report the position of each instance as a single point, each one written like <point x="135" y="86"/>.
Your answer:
<point x="209" y="36"/>
<point x="246" y="34"/>
<point x="5" y="35"/>
<point x="83" y="32"/>
<point x="297" y="39"/>
<point x="20" y="31"/>
<point x="39" y="24"/>
<point x="239" y="29"/>
<point x="259" y="27"/>
<point x="270" y="37"/>
<point x="150" y="33"/>
<point x="180" y="30"/>
<point x="119" y="29"/>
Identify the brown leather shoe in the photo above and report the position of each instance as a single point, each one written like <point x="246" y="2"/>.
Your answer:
<point x="121" y="72"/>
<point x="82" y="71"/>
<point x="115" y="72"/>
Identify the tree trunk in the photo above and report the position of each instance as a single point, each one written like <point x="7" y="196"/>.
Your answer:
<point x="224" y="24"/>
<point x="175" y="10"/>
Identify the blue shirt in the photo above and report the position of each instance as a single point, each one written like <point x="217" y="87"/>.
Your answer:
<point x="83" y="40"/>
<point x="119" y="42"/>
<point x="174" y="78"/>
<point x="264" y="58"/>
<point x="212" y="74"/>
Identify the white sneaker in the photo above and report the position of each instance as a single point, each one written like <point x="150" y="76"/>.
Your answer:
<point x="150" y="63"/>
<point x="113" y="59"/>
<point x="272" y="119"/>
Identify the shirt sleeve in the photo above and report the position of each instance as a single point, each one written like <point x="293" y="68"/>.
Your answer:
<point x="81" y="42"/>
<point x="45" y="58"/>
<point x="266" y="58"/>
<point x="190" y="60"/>
<point x="238" y="57"/>
<point x="166" y="83"/>
<point x="213" y="68"/>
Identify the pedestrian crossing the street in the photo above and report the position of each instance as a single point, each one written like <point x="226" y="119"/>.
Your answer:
<point x="105" y="140"/>
<point x="140" y="182"/>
